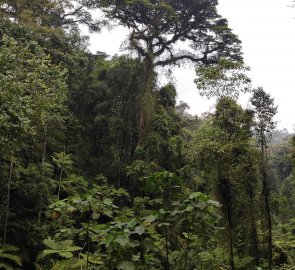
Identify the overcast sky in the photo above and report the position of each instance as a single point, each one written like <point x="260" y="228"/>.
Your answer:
<point x="267" y="31"/>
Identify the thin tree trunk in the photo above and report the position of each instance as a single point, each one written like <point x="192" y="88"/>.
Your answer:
<point x="224" y="190"/>
<point x="7" y="203"/>
<point x="229" y="202"/>
<point x="254" y="234"/>
<point x="187" y="252"/>
<point x="268" y="220"/>
<point x="265" y="193"/>
<point x="269" y="236"/>
<point x="59" y="184"/>
<point x="88" y="239"/>
<point x="167" y="267"/>
<point x="120" y="160"/>
<point x="44" y="145"/>
<point x="43" y="164"/>
<point x="142" y="125"/>
<point x="142" y="258"/>
<point x="61" y="172"/>
<point x="230" y="242"/>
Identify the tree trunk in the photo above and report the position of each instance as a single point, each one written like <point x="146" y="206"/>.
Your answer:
<point x="61" y="172"/>
<point x="44" y="145"/>
<point x="187" y="252"/>
<point x="224" y="191"/>
<point x="147" y="103"/>
<point x="120" y="160"/>
<point x="7" y="203"/>
<point x="269" y="236"/>
<point x="254" y="235"/>
<point x="230" y="242"/>
<point x="265" y="194"/>
<point x="42" y="169"/>
<point x="88" y="237"/>
<point x="167" y="265"/>
<point x="59" y="184"/>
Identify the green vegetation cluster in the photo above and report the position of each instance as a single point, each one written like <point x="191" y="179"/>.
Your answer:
<point x="101" y="169"/>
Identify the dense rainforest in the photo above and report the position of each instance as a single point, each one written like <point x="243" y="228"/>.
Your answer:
<point x="102" y="169"/>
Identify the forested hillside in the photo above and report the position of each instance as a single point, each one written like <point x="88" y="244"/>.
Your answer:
<point x="102" y="169"/>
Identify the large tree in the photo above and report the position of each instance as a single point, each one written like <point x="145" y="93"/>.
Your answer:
<point x="157" y="28"/>
<point x="168" y="32"/>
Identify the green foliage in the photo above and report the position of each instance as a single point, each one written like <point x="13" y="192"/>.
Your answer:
<point x="63" y="254"/>
<point x="63" y="249"/>
<point x="284" y="240"/>
<point x="223" y="79"/>
<point x="49" y="14"/>
<point x="161" y="182"/>
<point x="157" y="27"/>
<point x="265" y="110"/>
<point x="224" y="157"/>
<point x="9" y="257"/>
<point x="100" y="162"/>
<point x="32" y="90"/>
<point x="62" y="160"/>
<point x="109" y="107"/>
<point x="129" y="237"/>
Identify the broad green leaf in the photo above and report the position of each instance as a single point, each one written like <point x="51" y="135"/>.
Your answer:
<point x="122" y="241"/>
<point x="95" y="215"/>
<point x="126" y="266"/>
<point x="139" y="230"/>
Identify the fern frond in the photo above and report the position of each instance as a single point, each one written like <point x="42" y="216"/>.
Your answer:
<point x="47" y="252"/>
<point x="68" y="264"/>
<point x="63" y="253"/>
<point x="64" y="249"/>
<point x="8" y="248"/>
<point x="79" y="264"/>
<point x="61" y="245"/>
<point x="96" y="260"/>
<point x="7" y="258"/>
<point x="13" y="258"/>
<point x="57" y="266"/>
<point x="38" y="266"/>
<point x="66" y="254"/>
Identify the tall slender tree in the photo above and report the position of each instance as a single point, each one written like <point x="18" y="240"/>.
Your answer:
<point x="221" y="147"/>
<point x="264" y="110"/>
